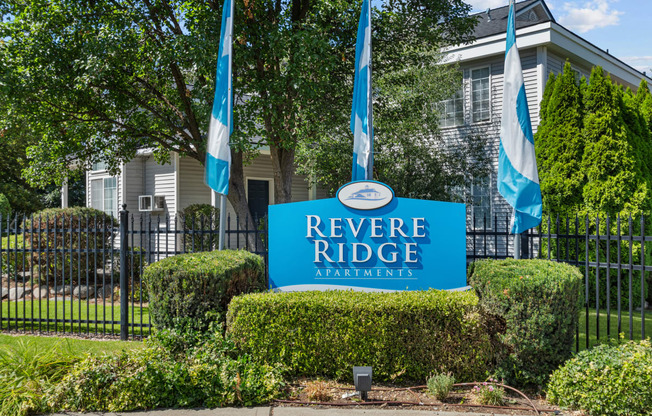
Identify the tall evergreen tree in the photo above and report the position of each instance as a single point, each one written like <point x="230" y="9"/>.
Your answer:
<point x="560" y="144"/>
<point x="609" y="160"/>
<point x="644" y="103"/>
<point x="638" y="134"/>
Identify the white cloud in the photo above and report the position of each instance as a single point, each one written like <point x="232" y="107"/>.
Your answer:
<point x="641" y="63"/>
<point x="482" y="5"/>
<point x="591" y="15"/>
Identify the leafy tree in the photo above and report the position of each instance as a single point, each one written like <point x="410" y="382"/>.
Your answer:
<point x="560" y="144"/>
<point x="95" y="80"/>
<point x="24" y="198"/>
<point x="410" y="153"/>
<point x="20" y="195"/>
<point x="5" y="209"/>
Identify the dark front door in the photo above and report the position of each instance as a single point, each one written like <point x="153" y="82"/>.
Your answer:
<point x="258" y="197"/>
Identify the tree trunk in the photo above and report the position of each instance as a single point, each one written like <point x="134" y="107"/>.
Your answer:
<point x="283" y="167"/>
<point x="238" y="198"/>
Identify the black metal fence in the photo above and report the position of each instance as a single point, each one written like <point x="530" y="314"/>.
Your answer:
<point x="82" y="275"/>
<point x="613" y="254"/>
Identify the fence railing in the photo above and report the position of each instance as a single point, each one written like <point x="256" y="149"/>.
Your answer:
<point x="613" y="254"/>
<point x="82" y="275"/>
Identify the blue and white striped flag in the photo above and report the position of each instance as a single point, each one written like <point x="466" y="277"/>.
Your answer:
<point x="361" y="122"/>
<point x="518" y="179"/>
<point x="218" y="156"/>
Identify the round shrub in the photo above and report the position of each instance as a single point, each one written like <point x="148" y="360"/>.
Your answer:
<point x="77" y="228"/>
<point x="539" y="301"/>
<point x="606" y="380"/>
<point x="5" y="208"/>
<point x="201" y="223"/>
<point x="192" y="290"/>
<point x="403" y="335"/>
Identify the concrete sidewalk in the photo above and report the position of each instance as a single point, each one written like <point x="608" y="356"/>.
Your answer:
<point x="289" y="411"/>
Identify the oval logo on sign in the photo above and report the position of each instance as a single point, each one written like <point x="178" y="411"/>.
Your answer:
<point x="365" y="195"/>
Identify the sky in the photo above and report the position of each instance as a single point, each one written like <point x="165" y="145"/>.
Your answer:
<point x="621" y="26"/>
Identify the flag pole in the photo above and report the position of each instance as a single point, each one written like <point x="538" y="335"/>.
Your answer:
<point x="228" y="129"/>
<point x="370" y="128"/>
<point x="518" y="179"/>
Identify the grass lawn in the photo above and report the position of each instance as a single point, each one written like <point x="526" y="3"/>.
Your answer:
<point x="56" y="316"/>
<point x="75" y="346"/>
<point x="636" y="329"/>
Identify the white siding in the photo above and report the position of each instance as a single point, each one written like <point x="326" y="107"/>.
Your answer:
<point x="529" y="65"/>
<point x="160" y="180"/>
<point x="192" y="187"/>
<point x="134" y="172"/>
<point x="555" y="63"/>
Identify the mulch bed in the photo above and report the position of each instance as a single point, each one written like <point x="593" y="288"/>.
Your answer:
<point x="320" y="393"/>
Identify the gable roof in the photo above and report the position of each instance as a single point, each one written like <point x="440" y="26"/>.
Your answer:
<point x="494" y="21"/>
<point x="535" y="26"/>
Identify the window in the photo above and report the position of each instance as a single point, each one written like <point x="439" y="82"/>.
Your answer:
<point x="104" y="195"/>
<point x="452" y="110"/>
<point x="480" y="202"/>
<point x="98" y="166"/>
<point x="480" y="97"/>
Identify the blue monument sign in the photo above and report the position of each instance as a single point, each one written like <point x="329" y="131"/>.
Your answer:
<point x="367" y="239"/>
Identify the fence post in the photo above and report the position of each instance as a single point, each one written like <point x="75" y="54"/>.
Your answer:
<point x="124" y="295"/>
<point x="525" y="248"/>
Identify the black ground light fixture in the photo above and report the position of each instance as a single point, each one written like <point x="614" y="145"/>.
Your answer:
<point x="362" y="380"/>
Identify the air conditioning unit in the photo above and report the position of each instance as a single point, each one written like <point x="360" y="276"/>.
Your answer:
<point x="149" y="203"/>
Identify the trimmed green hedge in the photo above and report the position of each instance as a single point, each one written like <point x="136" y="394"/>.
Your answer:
<point x="13" y="260"/>
<point x="540" y="302"/>
<point x="606" y="380"/>
<point x="39" y="234"/>
<point x="193" y="290"/>
<point x="195" y="219"/>
<point x="404" y="335"/>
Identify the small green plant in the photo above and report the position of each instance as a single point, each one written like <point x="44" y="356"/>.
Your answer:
<point x="607" y="380"/>
<point x="209" y="374"/>
<point x="490" y="393"/>
<point x="27" y="372"/>
<point x="440" y="385"/>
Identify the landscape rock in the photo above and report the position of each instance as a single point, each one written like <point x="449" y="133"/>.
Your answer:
<point x="65" y="290"/>
<point x="16" y="293"/>
<point x="83" y="292"/>
<point x="41" y="292"/>
<point x="4" y="293"/>
<point x="106" y="293"/>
